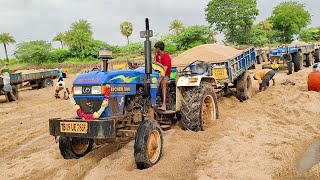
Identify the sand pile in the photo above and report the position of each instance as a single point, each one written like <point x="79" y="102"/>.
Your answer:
<point x="206" y="52"/>
<point x="298" y="43"/>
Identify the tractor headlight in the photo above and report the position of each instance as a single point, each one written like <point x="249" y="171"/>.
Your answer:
<point x="77" y="89"/>
<point x="96" y="90"/>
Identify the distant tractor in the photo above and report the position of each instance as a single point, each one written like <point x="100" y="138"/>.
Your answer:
<point x="122" y="103"/>
<point x="291" y="57"/>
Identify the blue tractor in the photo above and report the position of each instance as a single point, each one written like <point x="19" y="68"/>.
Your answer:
<point x="122" y="104"/>
<point x="291" y="57"/>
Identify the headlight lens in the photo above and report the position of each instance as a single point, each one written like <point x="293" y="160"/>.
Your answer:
<point x="96" y="90"/>
<point x="77" y="90"/>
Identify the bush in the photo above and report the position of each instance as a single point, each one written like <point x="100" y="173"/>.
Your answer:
<point x="132" y="48"/>
<point x="59" y="55"/>
<point x="33" y="51"/>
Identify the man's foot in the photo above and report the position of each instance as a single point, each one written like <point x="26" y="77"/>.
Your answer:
<point x="162" y="108"/>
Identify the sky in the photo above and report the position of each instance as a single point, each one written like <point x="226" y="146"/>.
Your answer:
<point x="29" y="20"/>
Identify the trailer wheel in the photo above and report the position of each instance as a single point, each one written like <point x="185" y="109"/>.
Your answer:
<point x="259" y="59"/>
<point x="296" y="63"/>
<point x="316" y="56"/>
<point x="47" y="82"/>
<point x="74" y="148"/>
<point x="15" y="92"/>
<point x="64" y="75"/>
<point x="244" y="86"/>
<point x="308" y="60"/>
<point x="199" y="108"/>
<point x="290" y="64"/>
<point x="148" y="144"/>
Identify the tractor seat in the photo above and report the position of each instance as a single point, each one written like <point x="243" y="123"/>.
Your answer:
<point x="200" y="68"/>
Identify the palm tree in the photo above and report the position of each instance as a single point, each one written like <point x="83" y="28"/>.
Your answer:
<point x="60" y="37"/>
<point x="176" y="26"/>
<point x="5" y="39"/>
<point x="82" y="25"/>
<point x="266" y="26"/>
<point x="79" y="35"/>
<point x="126" y="29"/>
<point x="211" y="36"/>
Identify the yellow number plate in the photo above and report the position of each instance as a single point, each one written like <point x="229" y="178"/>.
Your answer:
<point x="220" y="73"/>
<point x="74" y="127"/>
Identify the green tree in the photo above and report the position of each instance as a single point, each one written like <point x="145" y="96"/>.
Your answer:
<point x="289" y="18"/>
<point x="5" y="39"/>
<point x="267" y="27"/>
<point x="126" y="29"/>
<point x="82" y="25"/>
<point x="310" y="34"/>
<point x="176" y="26"/>
<point x="79" y="36"/>
<point x="232" y="17"/>
<point x="193" y="36"/>
<point x="258" y="35"/>
<point x="59" y="37"/>
<point x="34" y="51"/>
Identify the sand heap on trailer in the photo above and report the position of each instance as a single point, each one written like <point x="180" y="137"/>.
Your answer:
<point x="206" y="52"/>
<point x="298" y="43"/>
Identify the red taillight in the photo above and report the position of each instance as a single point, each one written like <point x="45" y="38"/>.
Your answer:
<point x="72" y="89"/>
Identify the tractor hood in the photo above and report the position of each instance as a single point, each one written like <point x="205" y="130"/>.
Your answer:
<point x="114" y="77"/>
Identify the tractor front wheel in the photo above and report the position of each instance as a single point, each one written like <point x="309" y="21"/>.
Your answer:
<point x="74" y="148"/>
<point x="148" y="144"/>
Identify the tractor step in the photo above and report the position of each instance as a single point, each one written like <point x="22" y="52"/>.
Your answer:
<point x="167" y="112"/>
<point x="165" y="126"/>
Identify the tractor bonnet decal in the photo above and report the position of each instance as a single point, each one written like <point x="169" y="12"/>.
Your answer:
<point x="125" y="79"/>
<point x="89" y="80"/>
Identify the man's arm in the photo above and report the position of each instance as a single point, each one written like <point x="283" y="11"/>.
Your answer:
<point x="257" y="77"/>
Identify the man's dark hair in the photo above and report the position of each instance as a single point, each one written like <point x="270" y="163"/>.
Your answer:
<point x="159" y="45"/>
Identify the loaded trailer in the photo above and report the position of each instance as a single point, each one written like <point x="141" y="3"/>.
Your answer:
<point x="34" y="80"/>
<point x="292" y="57"/>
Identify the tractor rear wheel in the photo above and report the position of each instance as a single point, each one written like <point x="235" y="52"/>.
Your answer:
<point x="244" y="86"/>
<point x="199" y="108"/>
<point x="308" y="60"/>
<point x="296" y="62"/>
<point x="74" y="148"/>
<point x="317" y="56"/>
<point x="148" y="144"/>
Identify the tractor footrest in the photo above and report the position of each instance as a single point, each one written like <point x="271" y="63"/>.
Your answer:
<point x="167" y="112"/>
<point x="165" y="126"/>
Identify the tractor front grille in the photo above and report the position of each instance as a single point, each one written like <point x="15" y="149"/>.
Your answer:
<point x="89" y="105"/>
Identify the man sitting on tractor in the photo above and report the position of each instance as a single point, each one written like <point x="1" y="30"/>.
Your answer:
<point x="265" y="75"/>
<point x="163" y="58"/>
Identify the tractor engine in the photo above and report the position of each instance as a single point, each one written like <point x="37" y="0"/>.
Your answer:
<point x="137" y="106"/>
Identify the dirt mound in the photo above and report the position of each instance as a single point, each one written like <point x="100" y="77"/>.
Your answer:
<point x="206" y="52"/>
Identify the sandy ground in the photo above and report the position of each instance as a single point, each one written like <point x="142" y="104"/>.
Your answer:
<point x="262" y="138"/>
